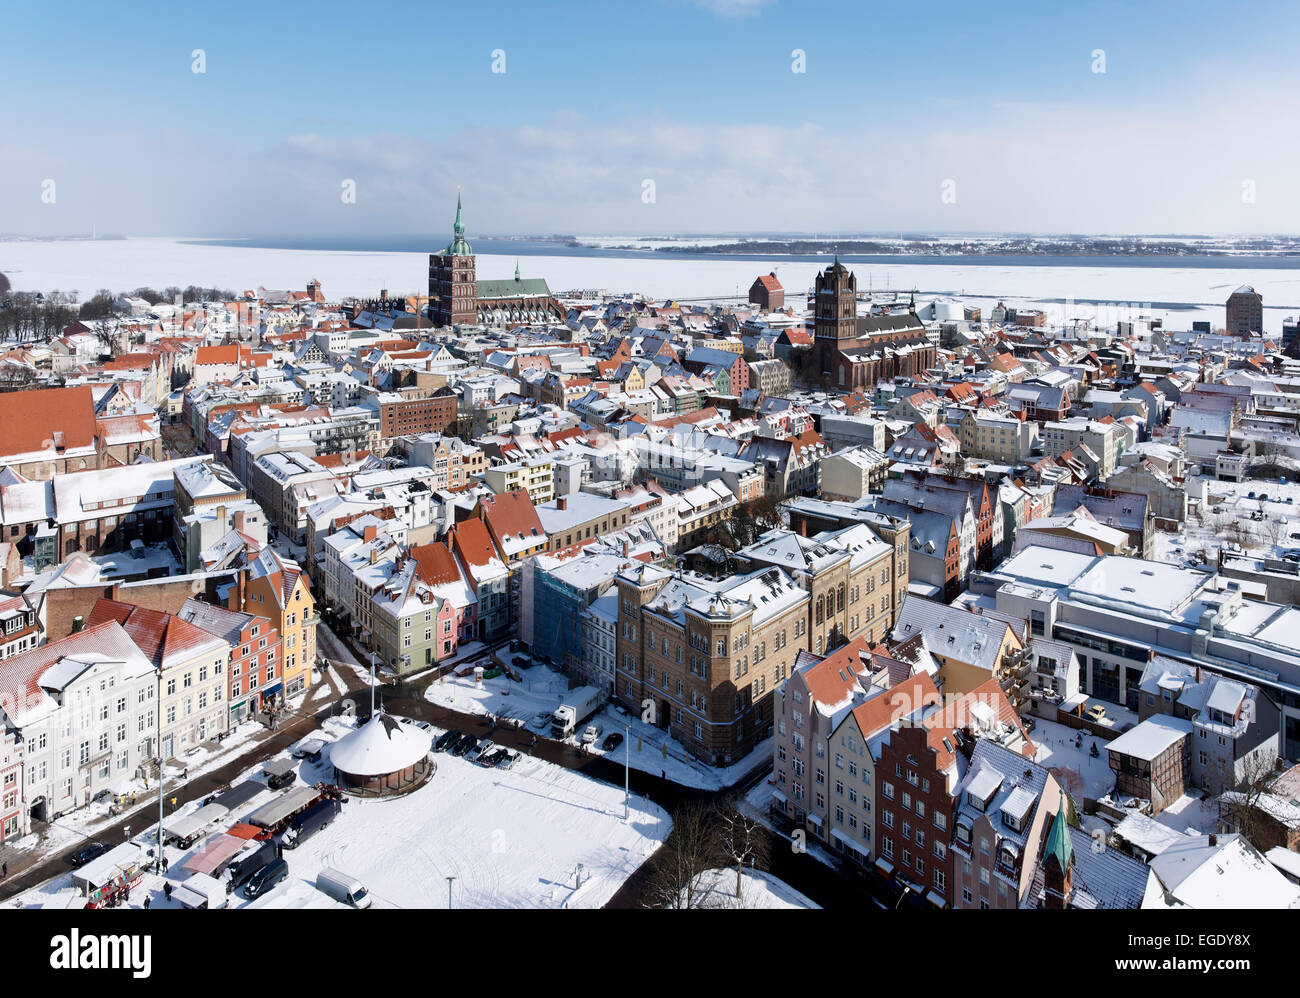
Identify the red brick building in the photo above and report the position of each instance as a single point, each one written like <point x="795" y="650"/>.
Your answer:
<point x="766" y="292"/>
<point x="430" y="414"/>
<point x="916" y="775"/>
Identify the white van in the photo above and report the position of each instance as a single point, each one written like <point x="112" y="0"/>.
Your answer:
<point x="343" y="888"/>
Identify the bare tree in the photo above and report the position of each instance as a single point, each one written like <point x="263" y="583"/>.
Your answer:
<point x="1243" y="808"/>
<point x="742" y="838"/>
<point x="692" y="850"/>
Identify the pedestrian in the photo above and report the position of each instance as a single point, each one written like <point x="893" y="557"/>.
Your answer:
<point x="4" y="871"/>
<point x="186" y="775"/>
<point x="167" y="891"/>
<point x="147" y="900"/>
<point x="663" y="774"/>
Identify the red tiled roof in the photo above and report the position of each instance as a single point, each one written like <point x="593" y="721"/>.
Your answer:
<point x="228" y="354"/>
<point x="899" y="702"/>
<point x="472" y="542"/>
<point x="512" y="514"/>
<point x="161" y="637"/>
<point x="434" y="564"/>
<point x="46" y="418"/>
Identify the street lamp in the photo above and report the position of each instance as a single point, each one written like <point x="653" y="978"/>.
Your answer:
<point x="627" y="770"/>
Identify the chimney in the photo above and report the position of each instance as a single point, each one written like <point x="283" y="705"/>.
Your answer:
<point x="369" y="533"/>
<point x="562" y="502"/>
<point x="221" y="514"/>
<point x="1214" y="840"/>
<point x="627" y="549"/>
<point x="374" y="555"/>
<point x="239" y="519"/>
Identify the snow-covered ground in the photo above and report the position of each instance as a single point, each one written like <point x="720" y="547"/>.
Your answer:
<point x="1076" y="769"/>
<point x="511" y="838"/>
<point x="647" y="748"/>
<point x="758" y="889"/>
<point x="86" y="265"/>
<point x="1229" y="517"/>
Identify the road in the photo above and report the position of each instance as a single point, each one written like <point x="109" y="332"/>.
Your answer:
<point x="843" y="889"/>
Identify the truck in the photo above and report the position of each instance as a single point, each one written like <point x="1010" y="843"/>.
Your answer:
<point x="311" y="821"/>
<point x="576" y="707"/>
<point x="250" y="863"/>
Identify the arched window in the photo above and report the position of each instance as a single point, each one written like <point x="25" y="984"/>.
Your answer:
<point x="819" y="609"/>
<point x="839" y="600"/>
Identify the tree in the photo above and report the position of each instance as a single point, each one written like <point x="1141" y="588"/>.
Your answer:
<point x="692" y="850"/>
<point x="1242" y="808"/>
<point x="742" y="838"/>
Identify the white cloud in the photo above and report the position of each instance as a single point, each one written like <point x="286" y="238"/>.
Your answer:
<point x="1020" y="166"/>
<point x="733" y="8"/>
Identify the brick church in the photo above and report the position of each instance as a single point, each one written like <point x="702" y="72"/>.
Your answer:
<point x="457" y="297"/>
<point x="857" y="351"/>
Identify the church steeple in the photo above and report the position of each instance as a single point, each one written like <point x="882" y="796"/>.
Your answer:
<point x="516" y="268"/>
<point x="458" y="245"/>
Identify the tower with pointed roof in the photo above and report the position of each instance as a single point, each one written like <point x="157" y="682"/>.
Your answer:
<point x="452" y="282"/>
<point x="1058" y="863"/>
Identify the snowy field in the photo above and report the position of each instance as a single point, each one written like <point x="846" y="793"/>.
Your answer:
<point x="126" y="264"/>
<point x="757" y="890"/>
<point x="646" y="748"/>
<point x="512" y="839"/>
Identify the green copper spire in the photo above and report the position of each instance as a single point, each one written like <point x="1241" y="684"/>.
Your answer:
<point x="458" y="245"/>
<point x="516" y="268"/>
<point x="1058" y="840"/>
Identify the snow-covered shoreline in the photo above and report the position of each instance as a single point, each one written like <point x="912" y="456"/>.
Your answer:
<point x="124" y="264"/>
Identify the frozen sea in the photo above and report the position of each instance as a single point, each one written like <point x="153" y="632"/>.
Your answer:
<point x="1179" y="294"/>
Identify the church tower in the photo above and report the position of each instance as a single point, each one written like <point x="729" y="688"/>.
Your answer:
<point x="836" y="313"/>
<point x="1058" y="863"/>
<point x="453" y="299"/>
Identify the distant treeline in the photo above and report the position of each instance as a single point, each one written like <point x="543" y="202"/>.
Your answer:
<point x="1010" y="247"/>
<point x="29" y="315"/>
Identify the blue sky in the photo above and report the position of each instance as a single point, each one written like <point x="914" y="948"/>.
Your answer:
<point x="696" y="95"/>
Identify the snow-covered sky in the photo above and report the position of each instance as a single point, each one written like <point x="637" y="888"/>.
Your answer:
<point x="744" y="115"/>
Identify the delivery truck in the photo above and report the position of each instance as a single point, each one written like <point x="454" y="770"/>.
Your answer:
<point x="576" y="707"/>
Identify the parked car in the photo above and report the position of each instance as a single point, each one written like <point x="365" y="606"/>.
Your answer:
<point x="490" y="759"/>
<point x="590" y="734"/>
<point x="309" y="749"/>
<point x="480" y="749"/>
<point x="267" y="878"/>
<point x="280" y="774"/>
<point x="612" y="741"/>
<point x="506" y="759"/>
<point x="448" y="740"/>
<point x="465" y="743"/>
<point x="1096" y="712"/>
<point x="87" y="852"/>
<point x="541" y="721"/>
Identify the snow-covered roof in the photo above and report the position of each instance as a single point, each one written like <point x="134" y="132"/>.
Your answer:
<point x="379" y="747"/>
<point x="1153" y="736"/>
